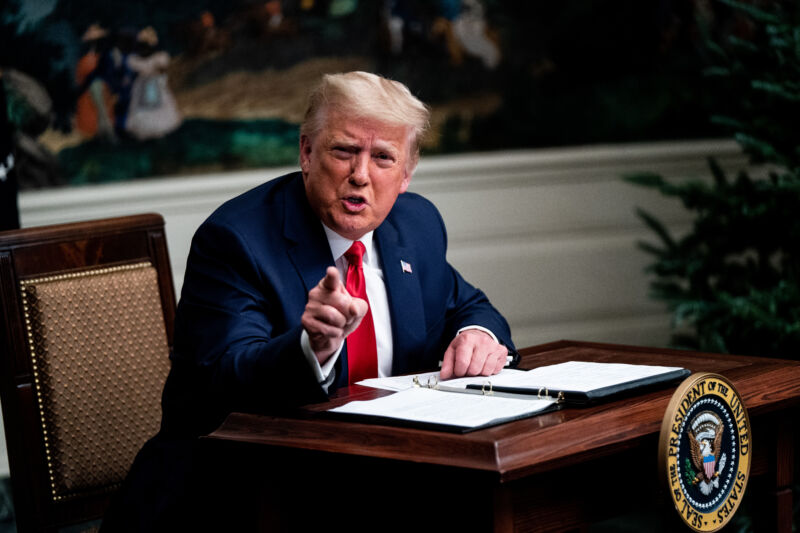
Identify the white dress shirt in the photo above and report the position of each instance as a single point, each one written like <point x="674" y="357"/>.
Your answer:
<point x="378" y="302"/>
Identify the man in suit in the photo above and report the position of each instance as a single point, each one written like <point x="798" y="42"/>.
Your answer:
<point x="273" y="311"/>
<point x="264" y="313"/>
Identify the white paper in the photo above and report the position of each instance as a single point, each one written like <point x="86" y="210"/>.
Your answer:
<point x="398" y="383"/>
<point x="450" y="408"/>
<point x="461" y="383"/>
<point x="580" y="376"/>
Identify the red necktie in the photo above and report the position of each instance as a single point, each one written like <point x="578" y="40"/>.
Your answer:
<point x="362" y="351"/>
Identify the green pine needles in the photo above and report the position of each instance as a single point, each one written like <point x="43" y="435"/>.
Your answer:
<point x="734" y="279"/>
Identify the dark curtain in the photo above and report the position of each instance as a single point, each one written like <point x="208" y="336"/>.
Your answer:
<point x="9" y="212"/>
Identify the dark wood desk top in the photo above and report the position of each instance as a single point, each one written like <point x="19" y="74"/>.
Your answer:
<point x="534" y="445"/>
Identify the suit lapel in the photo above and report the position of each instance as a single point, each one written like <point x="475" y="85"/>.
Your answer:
<point x="307" y="245"/>
<point x="310" y="254"/>
<point x="405" y="298"/>
<point x="308" y="250"/>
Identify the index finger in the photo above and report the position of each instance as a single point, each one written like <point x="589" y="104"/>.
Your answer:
<point x="331" y="281"/>
<point x="446" y="371"/>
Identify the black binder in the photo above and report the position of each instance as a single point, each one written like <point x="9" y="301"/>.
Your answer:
<point x="619" y="380"/>
<point x="600" y="394"/>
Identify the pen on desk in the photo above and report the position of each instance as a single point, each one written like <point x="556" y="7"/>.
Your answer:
<point x="484" y="390"/>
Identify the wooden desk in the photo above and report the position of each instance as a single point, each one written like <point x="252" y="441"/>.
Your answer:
<point x="552" y="472"/>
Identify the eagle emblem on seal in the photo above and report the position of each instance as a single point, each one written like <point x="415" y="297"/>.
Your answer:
<point x="705" y="444"/>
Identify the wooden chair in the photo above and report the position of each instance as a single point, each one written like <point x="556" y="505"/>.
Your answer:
<point x="86" y="321"/>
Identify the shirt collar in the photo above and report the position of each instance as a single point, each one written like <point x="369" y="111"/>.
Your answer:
<point x="339" y="245"/>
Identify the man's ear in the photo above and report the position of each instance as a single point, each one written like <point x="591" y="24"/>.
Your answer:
<point x="305" y="153"/>
<point x="411" y="166"/>
<point x="406" y="181"/>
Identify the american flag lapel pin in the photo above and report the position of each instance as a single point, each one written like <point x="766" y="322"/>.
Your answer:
<point x="405" y="266"/>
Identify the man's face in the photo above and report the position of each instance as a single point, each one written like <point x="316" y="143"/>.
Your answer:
<point x="353" y="171"/>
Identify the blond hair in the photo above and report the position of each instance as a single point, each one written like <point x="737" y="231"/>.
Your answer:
<point x="366" y="95"/>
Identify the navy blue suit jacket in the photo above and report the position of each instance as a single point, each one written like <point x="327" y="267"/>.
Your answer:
<point x="251" y="265"/>
<point x="237" y="337"/>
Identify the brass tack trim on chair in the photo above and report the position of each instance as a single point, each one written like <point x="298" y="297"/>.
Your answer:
<point x="32" y="346"/>
<point x="82" y="274"/>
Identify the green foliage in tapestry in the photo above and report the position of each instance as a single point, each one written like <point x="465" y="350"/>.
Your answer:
<point x="733" y="281"/>
<point x="197" y="145"/>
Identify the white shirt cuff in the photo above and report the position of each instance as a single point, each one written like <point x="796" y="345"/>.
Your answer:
<point x="483" y="329"/>
<point x="479" y="328"/>
<point x="320" y="371"/>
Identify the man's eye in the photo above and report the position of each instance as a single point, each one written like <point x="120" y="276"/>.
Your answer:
<point x="384" y="157"/>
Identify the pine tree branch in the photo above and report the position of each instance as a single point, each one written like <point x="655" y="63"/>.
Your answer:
<point x="734" y="279"/>
<point x="719" y="175"/>
<point x="775" y="89"/>
<point x="756" y="13"/>
<point x="659" y="228"/>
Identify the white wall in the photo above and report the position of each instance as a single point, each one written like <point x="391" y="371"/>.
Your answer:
<point x="548" y="234"/>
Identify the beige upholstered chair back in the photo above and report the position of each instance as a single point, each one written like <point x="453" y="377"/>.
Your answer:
<point x="95" y="327"/>
<point x="99" y="349"/>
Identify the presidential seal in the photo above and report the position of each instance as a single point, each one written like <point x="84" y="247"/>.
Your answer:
<point x="704" y="451"/>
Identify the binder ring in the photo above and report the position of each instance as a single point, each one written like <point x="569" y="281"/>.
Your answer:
<point x="483" y="388"/>
<point x="433" y="383"/>
<point x="545" y="395"/>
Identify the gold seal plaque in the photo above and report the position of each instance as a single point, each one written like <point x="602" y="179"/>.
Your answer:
<point x="704" y="451"/>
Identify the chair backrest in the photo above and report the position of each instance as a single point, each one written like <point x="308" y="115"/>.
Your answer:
<point x="86" y="321"/>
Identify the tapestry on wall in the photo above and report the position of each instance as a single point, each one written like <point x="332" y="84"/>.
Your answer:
<point x="114" y="90"/>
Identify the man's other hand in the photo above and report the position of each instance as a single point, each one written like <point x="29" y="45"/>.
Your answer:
<point x="331" y="314"/>
<point x="473" y="353"/>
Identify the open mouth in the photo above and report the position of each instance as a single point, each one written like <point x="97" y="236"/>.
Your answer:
<point x="354" y="203"/>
